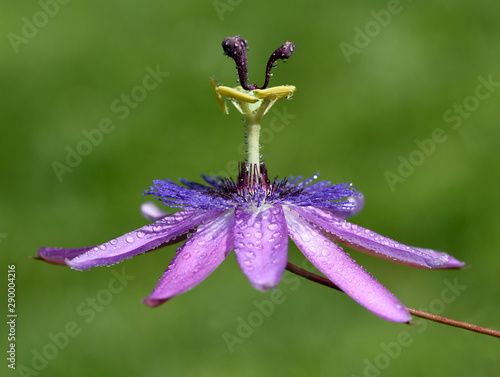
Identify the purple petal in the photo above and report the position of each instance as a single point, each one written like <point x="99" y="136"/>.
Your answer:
<point x="196" y="259"/>
<point x="56" y="255"/>
<point x="337" y="266"/>
<point x="141" y="240"/>
<point x="152" y="212"/>
<point x="369" y="242"/>
<point x="261" y="244"/>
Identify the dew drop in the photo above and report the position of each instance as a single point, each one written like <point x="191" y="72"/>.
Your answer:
<point x="258" y="234"/>
<point x="273" y="226"/>
<point x="156" y="228"/>
<point x="186" y="256"/>
<point x="103" y="247"/>
<point x="130" y="239"/>
<point x="113" y="241"/>
<point x="305" y="236"/>
<point x="140" y="234"/>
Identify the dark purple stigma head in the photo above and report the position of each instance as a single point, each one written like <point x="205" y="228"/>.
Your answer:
<point x="236" y="48"/>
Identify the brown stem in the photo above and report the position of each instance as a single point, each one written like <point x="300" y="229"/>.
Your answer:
<point x="419" y="313"/>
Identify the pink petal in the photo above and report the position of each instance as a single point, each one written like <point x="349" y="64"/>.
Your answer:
<point x="344" y="271"/>
<point x="357" y="200"/>
<point x="261" y="244"/>
<point x="366" y="241"/>
<point x="139" y="241"/>
<point x="152" y="212"/>
<point x="196" y="259"/>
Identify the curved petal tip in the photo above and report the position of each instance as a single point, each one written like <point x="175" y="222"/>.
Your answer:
<point x="152" y="302"/>
<point x="59" y="256"/>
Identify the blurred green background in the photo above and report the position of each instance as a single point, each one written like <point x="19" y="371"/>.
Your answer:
<point x="355" y="116"/>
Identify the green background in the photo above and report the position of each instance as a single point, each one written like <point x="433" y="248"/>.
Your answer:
<point x="352" y="122"/>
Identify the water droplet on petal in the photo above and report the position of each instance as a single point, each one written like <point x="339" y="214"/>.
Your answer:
<point x="305" y="236"/>
<point x="258" y="234"/>
<point x="113" y="241"/>
<point x="186" y="256"/>
<point x="273" y="226"/>
<point x="130" y="239"/>
<point x="103" y="247"/>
